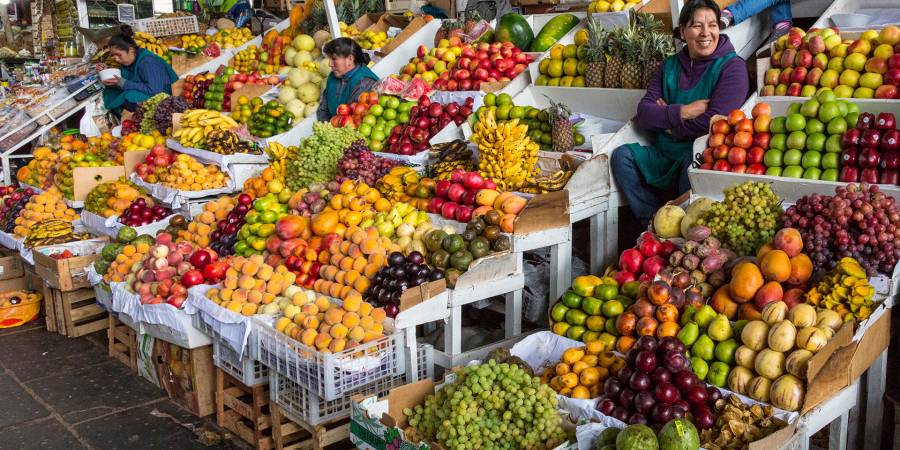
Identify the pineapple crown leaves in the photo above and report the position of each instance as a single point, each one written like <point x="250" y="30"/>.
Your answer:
<point x="598" y="41"/>
<point x="559" y="111"/>
<point x="647" y="23"/>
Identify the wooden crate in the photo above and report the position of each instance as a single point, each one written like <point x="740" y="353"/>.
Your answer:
<point x="122" y="342"/>
<point x="76" y="313"/>
<point x="64" y="274"/>
<point x="187" y="376"/>
<point x="244" y="410"/>
<point x="292" y="434"/>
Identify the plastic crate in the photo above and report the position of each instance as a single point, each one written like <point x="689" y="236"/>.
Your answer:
<point x="301" y="404"/>
<point x="329" y="375"/>
<point x="247" y="370"/>
<point x="168" y="26"/>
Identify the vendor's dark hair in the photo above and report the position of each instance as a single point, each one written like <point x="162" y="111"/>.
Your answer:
<point x="124" y="40"/>
<point x="345" y="47"/>
<point x="690" y="7"/>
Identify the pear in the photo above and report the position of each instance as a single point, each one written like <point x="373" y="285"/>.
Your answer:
<point x="719" y="329"/>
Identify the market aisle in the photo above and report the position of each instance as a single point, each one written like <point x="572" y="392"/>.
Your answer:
<point x="62" y="393"/>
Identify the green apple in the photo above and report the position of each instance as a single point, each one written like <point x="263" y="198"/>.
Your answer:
<point x="791" y="157"/>
<point x="825" y="96"/>
<point x="793" y="108"/>
<point x="725" y="350"/>
<point x="810" y="108"/>
<point x="795" y="122"/>
<point x="792" y="172"/>
<point x="718" y="374"/>
<point x="796" y="140"/>
<point x="851" y="118"/>
<point x="871" y="80"/>
<point x="831" y="160"/>
<point x="777" y="125"/>
<point x="843" y="91"/>
<point x="778" y="141"/>
<point x="811" y="158"/>
<point x="814" y="126"/>
<point x="808" y="91"/>
<point x="829" y="110"/>
<point x="700" y="367"/>
<point x="689" y="334"/>
<point x="837" y="126"/>
<point x="863" y="92"/>
<point x="773" y="171"/>
<point x="844" y="106"/>
<point x="816" y="142"/>
<point x="829" y="175"/>
<point x="772" y="158"/>
<point x="703" y="347"/>
<point x="833" y="143"/>
<point x="852" y="107"/>
<point x="812" y="173"/>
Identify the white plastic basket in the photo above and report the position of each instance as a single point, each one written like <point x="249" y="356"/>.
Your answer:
<point x="301" y="404"/>
<point x="168" y="26"/>
<point x="247" y="370"/>
<point x="329" y="375"/>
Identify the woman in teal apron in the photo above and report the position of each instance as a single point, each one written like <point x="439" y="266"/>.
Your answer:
<point x="705" y="78"/>
<point x="143" y="74"/>
<point x="349" y="77"/>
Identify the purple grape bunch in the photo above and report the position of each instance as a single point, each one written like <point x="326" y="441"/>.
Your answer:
<point x="359" y="163"/>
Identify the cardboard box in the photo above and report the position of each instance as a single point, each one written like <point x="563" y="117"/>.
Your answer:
<point x="187" y="376"/>
<point x="401" y="6"/>
<point x="134" y="158"/>
<point x="250" y="91"/>
<point x="86" y="178"/>
<point x="662" y="9"/>
<point x="449" y="6"/>
<point x="408" y="27"/>
<point x="183" y="62"/>
<point x="367" y="20"/>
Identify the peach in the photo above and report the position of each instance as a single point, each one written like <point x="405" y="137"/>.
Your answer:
<point x="234" y="306"/>
<point x="353" y="303"/>
<point x="336" y="259"/>
<point x="281" y="323"/>
<point x="335" y="290"/>
<point x="259" y="285"/>
<point x="267" y="298"/>
<point x="338" y="331"/>
<point x="249" y="268"/>
<point x="308" y="337"/>
<point x="337" y="345"/>
<point x="231" y="282"/>
<point x="356" y="334"/>
<point x="789" y="241"/>
<point x="240" y="296"/>
<point x="322" y="303"/>
<point x="274" y="286"/>
<point x="299" y="299"/>
<point x="255" y="297"/>
<point x="236" y="264"/>
<point x="775" y="266"/>
<point x="310" y="309"/>
<point x="365" y="309"/>
<point x="265" y="272"/>
<point x="359" y="263"/>
<point x="246" y="282"/>
<point x="299" y="318"/>
<point x="350" y="277"/>
<point x="345" y="291"/>
<point x="378" y="315"/>
<point x="225" y="294"/>
<point x="333" y="316"/>
<point x="768" y="293"/>
<point x="350" y="320"/>
<point x="323" y="340"/>
<point x="232" y="272"/>
<point x="801" y="269"/>
<point x="366" y="322"/>
<point x="339" y="278"/>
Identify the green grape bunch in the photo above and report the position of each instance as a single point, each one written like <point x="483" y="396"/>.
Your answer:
<point x="747" y="219"/>
<point x="148" y="108"/>
<point x="489" y="406"/>
<point x="316" y="158"/>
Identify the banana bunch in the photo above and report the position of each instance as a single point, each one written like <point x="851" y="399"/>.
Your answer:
<point x="197" y="124"/>
<point x="451" y="156"/>
<point x="505" y="152"/>
<point x="52" y="231"/>
<point x="150" y="43"/>
<point x="278" y="155"/>
<point x="845" y="290"/>
<point x="227" y="142"/>
<point x="549" y="183"/>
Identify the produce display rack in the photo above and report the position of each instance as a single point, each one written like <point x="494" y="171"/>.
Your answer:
<point x="74" y="313"/>
<point x="244" y="410"/>
<point x="291" y="433"/>
<point x="53" y="120"/>
<point x="122" y="343"/>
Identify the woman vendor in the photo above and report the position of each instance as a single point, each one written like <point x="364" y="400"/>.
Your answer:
<point x="349" y="77"/>
<point x="704" y="79"/>
<point x="143" y="74"/>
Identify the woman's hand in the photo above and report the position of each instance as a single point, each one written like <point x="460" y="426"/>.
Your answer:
<point x="114" y="81"/>
<point x="694" y="109"/>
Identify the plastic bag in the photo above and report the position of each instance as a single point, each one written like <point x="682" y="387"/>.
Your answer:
<point x="537" y="290"/>
<point x="87" y="126"/>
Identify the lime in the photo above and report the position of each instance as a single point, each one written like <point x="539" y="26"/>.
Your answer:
<point x="490" y="100"/>
<point x="504" y="99"/>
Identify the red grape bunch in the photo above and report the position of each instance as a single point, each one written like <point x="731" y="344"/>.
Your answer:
<point x="859" y="221"/>
<point x="359" y="163"/>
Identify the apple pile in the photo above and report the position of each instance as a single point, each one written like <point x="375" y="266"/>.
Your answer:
<point x="218" y="96"/>
<point x="483" y="63"/>
<point x="738" y="143"/>
<point x="868" y="67"/>
<point x="870" y="152"/>
<point x="142" y="213"/>
<point x="223" y="238"/>
<point x="166" y="274"/>
<point x="426" y="119"/>
<point x="657" y="385"/>
<point x="456" y="199"/>
<point x="400" y="274"/>
<point x="643" y="262"/>
<point x="158" y="156"/>
<point x="352" y="114"/>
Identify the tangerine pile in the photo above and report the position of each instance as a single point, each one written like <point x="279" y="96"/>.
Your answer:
<point x="201" y="227"/>
<point x="120" y="268"/>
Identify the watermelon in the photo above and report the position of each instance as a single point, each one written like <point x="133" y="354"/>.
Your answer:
<point x="679" y="434"/>
<point x="637" y="437"/>
<point x="514" y="28"/>
<point x="552" y="31"/>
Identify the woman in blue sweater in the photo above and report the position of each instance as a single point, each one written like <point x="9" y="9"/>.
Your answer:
<point x="143" y="74"/>
<point x="349" y="77"/>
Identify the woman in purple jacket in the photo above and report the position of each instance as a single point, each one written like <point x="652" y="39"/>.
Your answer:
<point x="704" y="79"/>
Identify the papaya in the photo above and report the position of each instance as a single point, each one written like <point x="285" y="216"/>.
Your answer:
<point x="552" y="31"/>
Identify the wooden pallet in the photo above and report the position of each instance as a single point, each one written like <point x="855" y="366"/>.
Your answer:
<point x="75" y="313"/>
<point x="122" y="342"/>
<point x="244" y="410"/>
<point x="291" y="434"/>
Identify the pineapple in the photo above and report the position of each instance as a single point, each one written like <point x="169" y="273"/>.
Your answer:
<point x="658" y="47"/>
<point x="612" y="72"/>
<point x="595" y="54"/>
<point x="647" y="23"/>
<point x="631" y="68"/>
<point x="561" y="128"/>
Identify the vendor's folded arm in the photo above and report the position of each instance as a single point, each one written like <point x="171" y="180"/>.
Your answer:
<point x="653" y="116"/>
<point x="729" y="94"/>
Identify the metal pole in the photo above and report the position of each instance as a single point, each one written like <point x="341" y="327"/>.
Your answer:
<point x="331" y="14"/>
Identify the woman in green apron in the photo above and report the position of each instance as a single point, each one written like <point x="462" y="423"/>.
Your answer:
<point x="143" y="74"/>
<point x="704" y="79"/>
